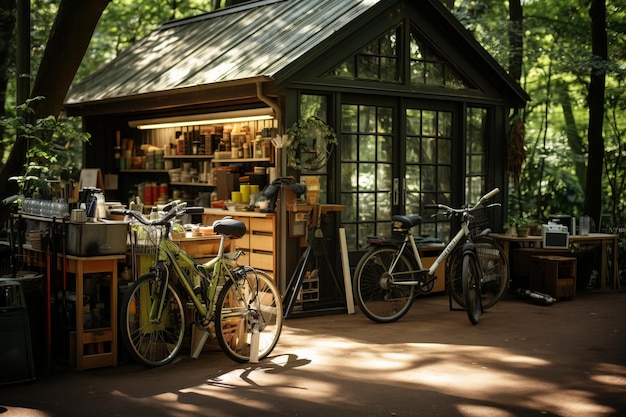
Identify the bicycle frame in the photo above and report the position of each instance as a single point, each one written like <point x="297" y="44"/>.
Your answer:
<point x="172" y="255"/>
<point x="463" y="232"/>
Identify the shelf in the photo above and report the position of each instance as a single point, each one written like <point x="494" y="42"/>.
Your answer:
<point x="243" y="160"/>
<point x="165" y="171"/>
<point x="206" y="156"/>
<point x="193" y="184"/>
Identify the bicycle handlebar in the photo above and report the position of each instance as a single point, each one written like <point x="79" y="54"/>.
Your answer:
<point x="171" y="210"/>
<point x="468" y="208"/>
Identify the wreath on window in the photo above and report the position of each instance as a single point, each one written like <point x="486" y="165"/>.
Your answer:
<point x="309" y="144"/>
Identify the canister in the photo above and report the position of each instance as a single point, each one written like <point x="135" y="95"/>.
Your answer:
<point x="244" y="189"/>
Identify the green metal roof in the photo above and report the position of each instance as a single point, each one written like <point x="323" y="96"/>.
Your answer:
<point x="254" y="40"/>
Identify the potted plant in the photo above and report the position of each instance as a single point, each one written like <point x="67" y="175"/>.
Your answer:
<point x="308" y="146"/>
<point x="518" y="226"/>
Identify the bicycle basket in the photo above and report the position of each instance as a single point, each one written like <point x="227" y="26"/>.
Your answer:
<point x="145" y="240"/>
<point x="479" y="221"/>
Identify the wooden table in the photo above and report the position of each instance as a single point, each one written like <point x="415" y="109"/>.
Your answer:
<point x="95" y="338"/>
<point x="603" y="239"/>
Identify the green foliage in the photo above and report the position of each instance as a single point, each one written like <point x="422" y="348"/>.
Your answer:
<point x="124" y="22"/>
<point x="52" y="148"/>
<point x="557" y="52"/>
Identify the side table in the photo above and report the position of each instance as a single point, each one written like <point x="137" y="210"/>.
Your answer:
<point x="96" y="347"/>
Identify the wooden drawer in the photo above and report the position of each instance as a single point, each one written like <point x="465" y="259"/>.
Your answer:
<point x="243" y="243"/>
<point x="262" y="241"/>
<point x="262" y="224"/>
<point x="262" y="260"/>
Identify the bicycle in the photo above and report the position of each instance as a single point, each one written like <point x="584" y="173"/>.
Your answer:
<point x="240" y="304"/>
<point x="390" y="275"/>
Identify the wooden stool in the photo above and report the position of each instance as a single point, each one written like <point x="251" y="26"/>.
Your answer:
<point x="553" y="275"/>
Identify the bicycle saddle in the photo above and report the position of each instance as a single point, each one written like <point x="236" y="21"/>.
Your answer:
<point x="229" y="227"/>
<point x="407" y="221"/>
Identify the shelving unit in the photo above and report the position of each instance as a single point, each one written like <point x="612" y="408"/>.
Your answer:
<point x="96" y="346"/>
<point x="201" y="148"/>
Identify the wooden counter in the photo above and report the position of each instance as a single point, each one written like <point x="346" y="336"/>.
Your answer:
<point x="259" y="244"/>
<point x="602" y="239"/>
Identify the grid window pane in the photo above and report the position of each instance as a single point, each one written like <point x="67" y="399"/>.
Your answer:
<point x="428" y="177"/>
<point x="371" y="131"/>
<point x="475" y="155"/>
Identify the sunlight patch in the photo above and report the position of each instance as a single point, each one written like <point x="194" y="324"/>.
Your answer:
<point x="471" y="410"/>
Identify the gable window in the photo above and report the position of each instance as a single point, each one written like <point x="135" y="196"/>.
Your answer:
<point x="427" y="68"/>
<point x="378" y="61"/>
<point x="381" y="60"/>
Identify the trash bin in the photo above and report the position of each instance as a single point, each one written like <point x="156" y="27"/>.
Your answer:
<point x="16" y="354"/>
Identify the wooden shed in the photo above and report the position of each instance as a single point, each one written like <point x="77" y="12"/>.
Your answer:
<point x="420" y="109"/>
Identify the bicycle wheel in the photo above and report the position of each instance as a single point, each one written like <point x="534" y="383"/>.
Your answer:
<point x="380" y="299"/>
<point x="152" y="342"/>
<point x="495" y="268"/>
<point x="454" y="276"/>
<point x="471" y="288"/>
<point x="495" y="272"/>
<point x="251" y="305"/>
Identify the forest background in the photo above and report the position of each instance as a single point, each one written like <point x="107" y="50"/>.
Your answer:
<point x="549" y="46"/>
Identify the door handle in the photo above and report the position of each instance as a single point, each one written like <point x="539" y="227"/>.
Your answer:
<point x="396" y="191"/>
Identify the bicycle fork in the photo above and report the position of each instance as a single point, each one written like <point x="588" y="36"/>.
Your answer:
<point x="158" y="296"/>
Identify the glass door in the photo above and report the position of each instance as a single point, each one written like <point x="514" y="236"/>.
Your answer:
<point x="393" y="161"/>
<point x="368" y="145"/>
<point x="428" y="176"/>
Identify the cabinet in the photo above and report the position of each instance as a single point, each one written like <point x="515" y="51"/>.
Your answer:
<point x="553" y="275"/>
<point x="259" y="242"/>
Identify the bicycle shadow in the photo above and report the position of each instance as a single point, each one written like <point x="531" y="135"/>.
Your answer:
<point x="271" y="365"/>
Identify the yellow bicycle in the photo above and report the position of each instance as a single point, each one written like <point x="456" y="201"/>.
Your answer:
<point x="240" y="304"/>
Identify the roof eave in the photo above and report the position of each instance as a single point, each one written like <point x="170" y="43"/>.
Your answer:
<point x="232" y="90"/>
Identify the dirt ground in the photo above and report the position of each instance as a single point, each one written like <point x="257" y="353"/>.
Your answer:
<point x="522" y="359"/>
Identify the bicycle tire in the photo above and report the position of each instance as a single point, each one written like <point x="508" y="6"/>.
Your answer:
<point x="152" y="343"/>
<point x="378" y="298"/>
<point x="454" y="276"/>
<point x="260" y="310"/>
<point x="471" y="288"/>
<point x="495" y="268"/>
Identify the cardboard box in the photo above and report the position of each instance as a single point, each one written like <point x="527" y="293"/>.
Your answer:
<point x="96" y="239"/>
<point x="226" y="183"/>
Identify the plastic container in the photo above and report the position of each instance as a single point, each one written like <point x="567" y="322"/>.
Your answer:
<point x="16" y="352"/>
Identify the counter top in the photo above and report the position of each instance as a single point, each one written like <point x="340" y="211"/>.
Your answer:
<point x="222" y="212"/>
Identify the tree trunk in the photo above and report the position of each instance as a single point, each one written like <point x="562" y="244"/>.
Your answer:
<point x="69" y="38"/>
<point x="7" y="25"/>
<point x="593" y="190"/>
<point x="573" y="138"/>
<point x="516" y="39"/>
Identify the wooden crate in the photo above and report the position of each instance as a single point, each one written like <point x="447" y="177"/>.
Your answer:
<point x="553" y="275"/>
